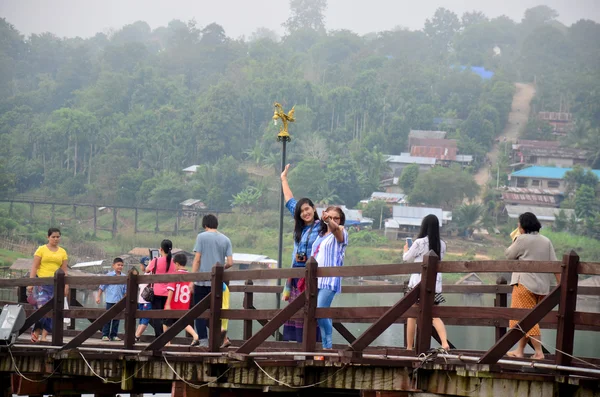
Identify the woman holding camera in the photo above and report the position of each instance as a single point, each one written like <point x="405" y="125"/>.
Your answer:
<point x="306" y="231"/>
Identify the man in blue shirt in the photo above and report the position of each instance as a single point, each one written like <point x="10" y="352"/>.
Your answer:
<point x="114" y="293"/>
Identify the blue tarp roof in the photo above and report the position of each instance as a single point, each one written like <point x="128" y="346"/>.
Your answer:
<point x="480" y="71"/>
<point x="546" y="172"/>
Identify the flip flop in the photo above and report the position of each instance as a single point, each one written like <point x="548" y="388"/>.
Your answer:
<point x="34" y="337"/>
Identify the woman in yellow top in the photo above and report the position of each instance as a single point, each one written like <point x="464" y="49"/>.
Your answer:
<point x="47" y="260"/>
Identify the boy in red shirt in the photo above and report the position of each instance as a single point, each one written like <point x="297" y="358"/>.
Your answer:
<point x="179" y="297"/>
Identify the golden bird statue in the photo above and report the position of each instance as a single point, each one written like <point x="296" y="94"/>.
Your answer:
<point x="279" y="114"/>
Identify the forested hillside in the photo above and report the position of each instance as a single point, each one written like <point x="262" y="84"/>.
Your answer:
<point x="113" y="119"/>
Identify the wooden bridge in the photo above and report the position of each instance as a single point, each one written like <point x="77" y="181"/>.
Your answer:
<point x="76" y="361"/>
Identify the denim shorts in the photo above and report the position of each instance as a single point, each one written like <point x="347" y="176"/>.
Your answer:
<point x="142" y="307"/>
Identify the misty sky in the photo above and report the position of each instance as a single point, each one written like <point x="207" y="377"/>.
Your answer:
<point x="241" y="17"/>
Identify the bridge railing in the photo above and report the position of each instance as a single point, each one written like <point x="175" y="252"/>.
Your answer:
<point x="418" y="303"/>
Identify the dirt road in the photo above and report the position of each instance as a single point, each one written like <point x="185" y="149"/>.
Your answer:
<point x="517" y="118"/>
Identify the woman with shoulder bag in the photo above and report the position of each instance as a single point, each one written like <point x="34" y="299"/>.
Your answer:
<point x="161" y="265"/>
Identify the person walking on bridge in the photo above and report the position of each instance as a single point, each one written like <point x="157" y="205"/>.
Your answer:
<point x="428" y="239"/>
<point x="529" y="288"/>
<point x="47" y="259"/>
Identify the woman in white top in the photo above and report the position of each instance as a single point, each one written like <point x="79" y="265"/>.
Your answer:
<point x="427" y="239"/>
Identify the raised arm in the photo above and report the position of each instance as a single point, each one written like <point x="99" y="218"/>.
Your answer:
<point x="287" y="192"/>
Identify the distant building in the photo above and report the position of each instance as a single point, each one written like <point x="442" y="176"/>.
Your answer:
<point x="191" y="170"/>
<point x="532" y="196"/>
<point x="406" y="220"/>
<point x="441" y="149"/>
<point x="561" y="122"/>
<point x="542" y="177"/>
<point x="388" y="198"/>
<point x="547" y="153"/>
<point x="190" y="207"/>
<point x="398" y="163"/>
<point x="545" y="215"/>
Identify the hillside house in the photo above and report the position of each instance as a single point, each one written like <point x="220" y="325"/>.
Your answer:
<point x="532" y="196"/>
<point x="546" y="216"/>
<point x="441" y="149"/>
<point x="547" y="153"/>
<point x="561" y="122"/>
<point x="388" y="198"/>
<point x="542" y="177"/>
<point x="190" y="207"/>
<point x="398" y="163"/>
<point x="406" y="220"/>
<point x="191" y="170"/>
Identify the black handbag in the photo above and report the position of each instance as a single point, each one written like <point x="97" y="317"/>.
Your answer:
<point x="148" y="291"/>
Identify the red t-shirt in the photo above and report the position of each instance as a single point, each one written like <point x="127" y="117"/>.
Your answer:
<point x="181" y="294"/>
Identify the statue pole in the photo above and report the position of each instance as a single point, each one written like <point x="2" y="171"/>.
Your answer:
<point x="283" y="137"/>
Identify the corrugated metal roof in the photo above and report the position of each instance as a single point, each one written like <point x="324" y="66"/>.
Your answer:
<point x="546" y="172"/>
<point x="542" y="213"/>
<point x="555" y="116"/>
<point x="526" y="190"/>
<point x="427" y="134"/>
<point x="191" y="168"/>
<point x="190" y="202"/>
<point x="441" y="153"/>
<point x="433" y="142"/>
<point x="555" y="152"/>
<point x="388" y="197"/>
<point x="401" y="211"/>
<point x="540" y="144"/>
<point x="402" y="159"/>
<point x="464" y="158"/>
<point x="529" y="198"/>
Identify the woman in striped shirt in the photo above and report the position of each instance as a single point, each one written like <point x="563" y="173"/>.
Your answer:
<point x="329" y="250"/>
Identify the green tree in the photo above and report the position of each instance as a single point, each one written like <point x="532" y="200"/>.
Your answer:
<point x="467" y="218"/>
<point x="377" y="210"/>
<point x="307" y="179"/>
<point x="579" y="176"/>
<point x="306" y="14"/>
<point x="585" y="202"/>
<point x="343" y="176"/>
<point x="445" y="187"/>
<point x="248" y="199"/>
<point x="408" y="178"/>
<point x="560" y="221"/>
<point x="441" y="29"/>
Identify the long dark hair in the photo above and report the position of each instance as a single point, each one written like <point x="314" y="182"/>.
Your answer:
<point x="430" y="228"/>
<point x="167" y="246"/>
<point x="323" y="228"/>
<point x="298" y="222"/>
<point x="529" y="223"/>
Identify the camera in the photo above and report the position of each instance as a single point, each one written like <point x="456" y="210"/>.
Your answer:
<point x="301" y="257"/>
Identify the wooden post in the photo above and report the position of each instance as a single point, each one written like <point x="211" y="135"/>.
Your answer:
<point x="95" y="220"/>
<point x="196" y="216"/>
<point x="58" y="307"/>
<point x="10" y="209"/>
<point x="176" y="226"/>
<point x="114" y="224"/>
<point x="216" y="302"/>
<point x="405" y="324"/>
<point x="309" y="337"/>
<point x="131" y="308"/>
<point x="248" y="305"/>
<point x="72" y="302"/>
<point x="52" y="217"/>
<point x="500" y="301"/>
<point x="74" y="211"/>
<point x="31" y="206"/>
<point x="135" y="222"/>
<point x="565" y="333"/>
<point x="426" y="298"/>
<point x="156" y="227"/>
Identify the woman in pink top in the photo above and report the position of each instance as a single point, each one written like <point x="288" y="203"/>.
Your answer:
<point x="163" y="265"/>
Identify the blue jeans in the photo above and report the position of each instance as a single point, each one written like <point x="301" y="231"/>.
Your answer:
<point x="110" y="328"/>
<point x="324" y="299"/>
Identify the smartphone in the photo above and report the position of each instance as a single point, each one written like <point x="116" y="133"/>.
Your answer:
<point x="154" y="254"/>
<point x="409" y="241"/>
